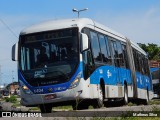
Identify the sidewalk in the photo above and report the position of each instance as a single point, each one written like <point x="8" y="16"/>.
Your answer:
<point x="7" y="106"/>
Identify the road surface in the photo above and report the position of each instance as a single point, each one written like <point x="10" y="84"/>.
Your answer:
<point x="141" y="110"/>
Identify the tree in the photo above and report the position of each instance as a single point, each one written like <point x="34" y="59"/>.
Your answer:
<point x="152" y="49"/>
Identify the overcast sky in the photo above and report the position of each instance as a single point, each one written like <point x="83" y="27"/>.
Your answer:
<point x="139" y="20"/>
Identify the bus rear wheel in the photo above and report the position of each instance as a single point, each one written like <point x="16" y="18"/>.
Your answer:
<point x="147" y="98"/>
<point x="45" y="108"/>
<point x="125" y="99"/>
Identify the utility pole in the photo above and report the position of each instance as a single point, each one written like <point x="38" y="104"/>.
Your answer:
<point x="13" y="81"/>
<point x="78" y="11"/>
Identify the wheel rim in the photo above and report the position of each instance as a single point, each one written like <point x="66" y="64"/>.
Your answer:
<point x="125" y="96"/>
<point x="100" y="94"/>
<point x="147" y="99"/>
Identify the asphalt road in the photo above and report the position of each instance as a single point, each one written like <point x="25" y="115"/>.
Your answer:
<point x="123" y="111"/>
<point x="147" y="110"/>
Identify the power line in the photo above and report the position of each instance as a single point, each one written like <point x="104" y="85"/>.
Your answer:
<point x="8" y="28"/>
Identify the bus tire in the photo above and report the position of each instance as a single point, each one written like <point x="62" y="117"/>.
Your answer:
<point x="125" y="99"/>
<point x="147" y="98"/>
<point x="80" y="106"/>
<point x="45" y="108"/>
<point x="99" y="101"/>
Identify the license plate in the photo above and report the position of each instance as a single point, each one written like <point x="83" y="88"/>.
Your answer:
<point x="49" y="97"/>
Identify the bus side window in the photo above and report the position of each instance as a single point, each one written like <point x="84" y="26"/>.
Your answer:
<point x="104" y="52"/>
<point x="114" y="53"/>
<point x="135" y="59"/>
<point x="125" y="55"/>
<point x="108" y="51"/>
<point x="142" y="61"/>
<point x="139" y="61"/>
<point x="147" y="67"/>
<point x="120" y="54"/>
<point x="95" y="47"/>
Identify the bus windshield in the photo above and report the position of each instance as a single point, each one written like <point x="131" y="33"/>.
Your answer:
<point x="49" y="57"/>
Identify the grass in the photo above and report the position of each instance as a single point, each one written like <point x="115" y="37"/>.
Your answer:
<point x="54" y="108"/>
<point x="17" y="104"/>
<point x="154" y="102"/>
<point x="129" y="115"/>
<point x="69" y="107"/>
<point x="12" y="99"/>
<point x="126" y="116"/>
<point x="34" y="109"/>
<point x="135" y="118"/>
<point x="132" y="104"/>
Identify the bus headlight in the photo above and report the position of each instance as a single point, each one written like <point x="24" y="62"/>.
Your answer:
<point x="26" y="89"/>
<point x="74" y="83"/>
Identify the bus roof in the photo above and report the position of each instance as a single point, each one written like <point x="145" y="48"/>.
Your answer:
<point x="67" y="23"/>
<point x="57" y="24"/>
<point x="76" y="22"/>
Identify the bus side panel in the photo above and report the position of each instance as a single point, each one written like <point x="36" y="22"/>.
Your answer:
<point x="126" y="77"/>
<point x="106" y="73"/>
<point x="143" y="84"/>
<point x="129" y="84"/>
<point x="149" y="86"/>
<point x="122" y="76"/>
<point x="113" y="83"/>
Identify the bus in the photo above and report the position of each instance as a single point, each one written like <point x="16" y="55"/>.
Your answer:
<point x="155" y="72"/>
<point x="79" y="62"/>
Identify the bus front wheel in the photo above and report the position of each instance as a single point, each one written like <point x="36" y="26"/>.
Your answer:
<point x="99" y="102"/>
<point x="45" y="108"/>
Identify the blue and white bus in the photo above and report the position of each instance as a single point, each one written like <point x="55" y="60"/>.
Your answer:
<point x="79" y="62"/>
<point x="155" y="72"/>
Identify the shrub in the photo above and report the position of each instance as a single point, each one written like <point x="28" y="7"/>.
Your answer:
<point x="12" y="99"/>
<point x="7" y="99"/>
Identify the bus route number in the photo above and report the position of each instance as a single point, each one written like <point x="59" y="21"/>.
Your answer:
<point x="38" y="90"/>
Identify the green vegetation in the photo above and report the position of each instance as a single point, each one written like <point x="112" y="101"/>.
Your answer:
<point x="154" y="102"/>
<point x="131" y="104"/>
<point x="69" y="107"/>
<point x="12" y="99"/>
<point x="34" y="109"/>
<point x="153" y="50"/>
<point x="126" y="116"/>
<point x="16" y="105"/>
<point x="136" y="118"/>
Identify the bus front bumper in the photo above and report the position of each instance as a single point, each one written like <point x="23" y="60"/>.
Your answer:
<point x="51" y="98"/>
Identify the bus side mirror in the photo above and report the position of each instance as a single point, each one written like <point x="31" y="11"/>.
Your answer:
<point x="84" y="42"/>
<point x="15" y="52"/>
